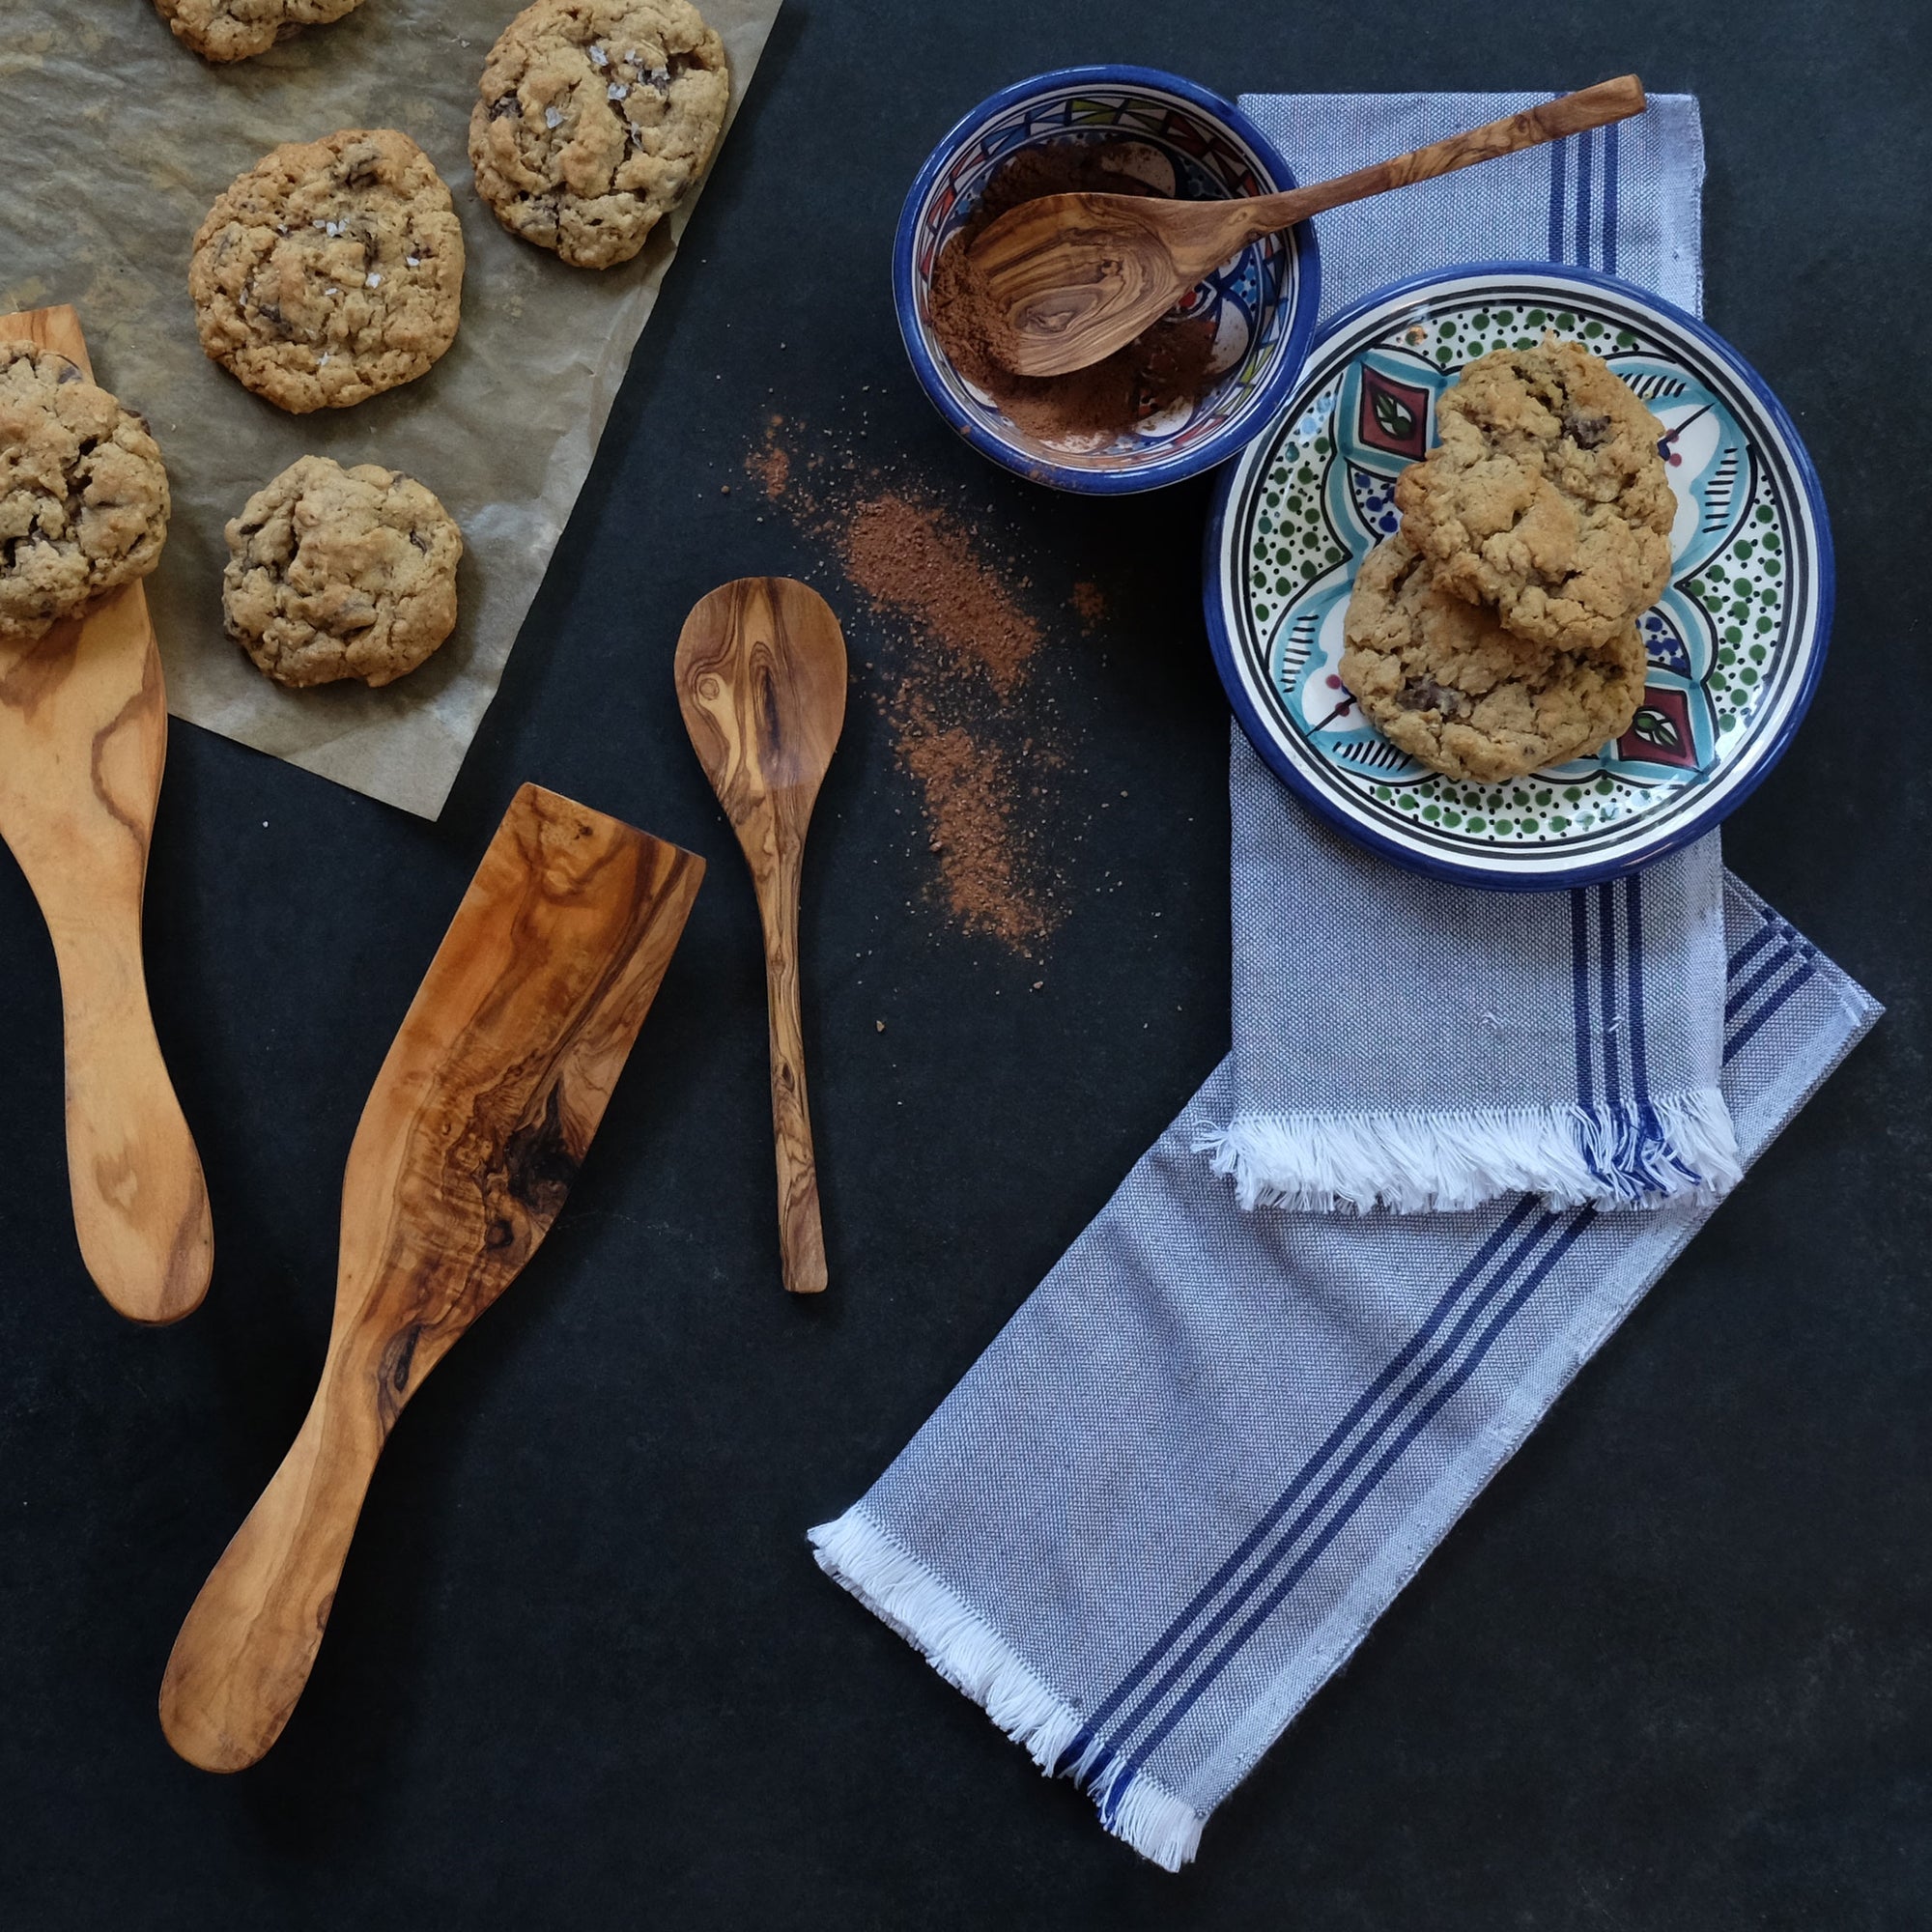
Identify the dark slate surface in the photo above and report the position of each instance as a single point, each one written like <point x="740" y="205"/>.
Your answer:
<point x="1673" y="1669"/>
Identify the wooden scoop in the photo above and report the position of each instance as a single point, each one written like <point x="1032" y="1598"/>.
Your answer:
<point x="468" y="1143"/>
<point x="1072" y="278"/>
<point x="761" y="683"/>
<point x="83" y="736"/>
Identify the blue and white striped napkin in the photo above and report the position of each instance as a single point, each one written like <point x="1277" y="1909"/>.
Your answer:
<point x="1172" y="1497"/>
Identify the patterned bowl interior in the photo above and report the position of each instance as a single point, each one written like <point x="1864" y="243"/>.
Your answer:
<point x="1255" y="300"/>
<point x="1733" y="642"/>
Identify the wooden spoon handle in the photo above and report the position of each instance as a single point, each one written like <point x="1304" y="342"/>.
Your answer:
<point x="249" y="1640"/>
<point x="801" y="1233"/>
<point x="1570" y="114"/>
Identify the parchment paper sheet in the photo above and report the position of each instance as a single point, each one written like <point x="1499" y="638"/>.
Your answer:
<point x="114" y="142"/>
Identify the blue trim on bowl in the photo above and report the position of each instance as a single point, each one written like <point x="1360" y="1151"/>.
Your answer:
<point x="1503" y="876"/>
<point x="1157" y="472"/>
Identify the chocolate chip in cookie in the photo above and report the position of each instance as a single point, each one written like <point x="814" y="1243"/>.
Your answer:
<point x="83" y="493"/>
<point x="337" y="573"/>
<point x="331" y="271"/>
<point x="594" y="119"/>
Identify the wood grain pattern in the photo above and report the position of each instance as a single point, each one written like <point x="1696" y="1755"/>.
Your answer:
<point x="470" y="1139"/>
<point x="1078" y="275"/>
<point x="83" y="737"/>
<point x="761" y="683"/>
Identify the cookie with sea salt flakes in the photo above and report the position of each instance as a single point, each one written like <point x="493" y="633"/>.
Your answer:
<point x="330" y="271"/>
<point x="1445" y="682"/>
<point x="84" y="495"/>
<point x="593" y="120"/>
<point x="231" y="30"/>
<point x="337" y="573"/>
<point x="1546" y="498"/>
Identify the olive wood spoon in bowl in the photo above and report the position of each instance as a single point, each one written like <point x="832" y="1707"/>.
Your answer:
<point x="761" y="683"/>
<point x="1072" y="278"/>
<point x="83" y="737"/>
<point x="473" y="1134"/>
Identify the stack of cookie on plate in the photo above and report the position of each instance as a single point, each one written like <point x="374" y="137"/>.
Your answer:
<point x="1496" y="632"/>
<point x="331" y="271"/>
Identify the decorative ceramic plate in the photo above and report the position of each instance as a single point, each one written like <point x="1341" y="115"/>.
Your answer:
<point x="1736" y="642"/>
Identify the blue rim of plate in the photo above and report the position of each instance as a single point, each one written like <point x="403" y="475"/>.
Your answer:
<point x="1156" y="471"/>
<point x="1777" y="473"/>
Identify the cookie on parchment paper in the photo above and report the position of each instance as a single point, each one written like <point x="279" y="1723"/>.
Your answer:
<point x="1546" y="498"/>
<point x="232" y="29"/>
<point x="83" y="493"/>
<point x="1445" y="682"/>
<point x="331" y="271"/>
<point x="594" y="119"/>
<point x="337" y="573"/>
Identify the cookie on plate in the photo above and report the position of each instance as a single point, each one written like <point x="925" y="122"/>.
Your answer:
<point x="231" y="30"/>
<point x="84" y="495"/>
<point x="1546" y="498"/>
<point x="593" y="120"/>
<point x="1444" y="681"/>
<point x="330" y="271"/>
<point x="337" y="573"/>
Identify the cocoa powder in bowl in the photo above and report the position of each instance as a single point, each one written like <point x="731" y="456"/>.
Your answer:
<point x="1164" y="365"/>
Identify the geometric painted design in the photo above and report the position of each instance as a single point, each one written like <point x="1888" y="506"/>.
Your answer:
<point x="1660" y="735"/>
<point x="1733" y="645"/>
<point x="1394" y="416"/>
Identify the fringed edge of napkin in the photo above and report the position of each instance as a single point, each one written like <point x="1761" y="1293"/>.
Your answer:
<point x="1639" y="1155"/>
<point x="899" y="1590"/>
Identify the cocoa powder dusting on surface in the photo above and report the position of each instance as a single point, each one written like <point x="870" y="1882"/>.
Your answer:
<point x="915" y="561"/>
<point x="972" y="728"/>
<point x="1090" y="604"/>
<point x="771" y="466"/>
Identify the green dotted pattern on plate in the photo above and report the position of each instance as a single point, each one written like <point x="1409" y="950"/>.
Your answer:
<point x="1742" y="588"/>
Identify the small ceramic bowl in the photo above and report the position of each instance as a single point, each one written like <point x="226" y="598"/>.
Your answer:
<point x="1263" y="304"/>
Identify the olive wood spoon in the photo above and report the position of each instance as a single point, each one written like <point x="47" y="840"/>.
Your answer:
<point x="761" y="683"/>
<point x="83" y="737"/>
<point x="470" y="1139"/>
<point x="1072" y="278"/>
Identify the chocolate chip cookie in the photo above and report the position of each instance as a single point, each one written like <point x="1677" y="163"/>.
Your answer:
<point x="593" y="120"/>
<point x="337" y="573"/>
<point x="1441" y="678"/>
<point x="1547" y="498"/>
<point x="231" y="30"/>
<point x="331" y="270"/>
<point x="83" y="496"/>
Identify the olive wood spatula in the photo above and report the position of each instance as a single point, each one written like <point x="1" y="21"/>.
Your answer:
<point x="83" y="736"/>
<point x="470" y="1139"/>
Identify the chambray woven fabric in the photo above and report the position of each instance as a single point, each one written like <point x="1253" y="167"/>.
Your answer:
<point x="1182" y="1482"/>
<point x="1407" y="1044"/>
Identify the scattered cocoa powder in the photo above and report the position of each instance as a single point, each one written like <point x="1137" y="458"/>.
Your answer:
<point x="1090" y="604"/>
<point x="1163" y="366"/>
<point x="914" y="561"/>
<point x="971" y="729"/>
<point x="772" y="467"/>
